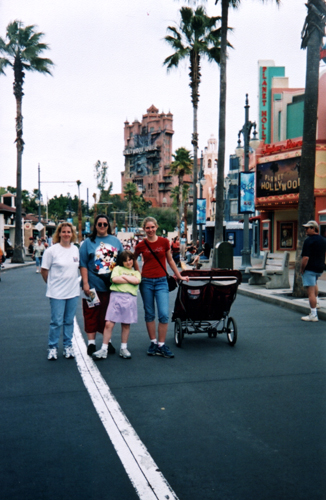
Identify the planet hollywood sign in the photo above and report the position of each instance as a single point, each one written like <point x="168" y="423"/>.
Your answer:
<point x="263" y="102"/>
<point x="278" y="175"/>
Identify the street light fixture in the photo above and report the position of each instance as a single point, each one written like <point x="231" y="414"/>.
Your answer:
<point x="252" y="143"/>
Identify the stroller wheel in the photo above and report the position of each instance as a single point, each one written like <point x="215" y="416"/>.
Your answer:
<point x="231" y="331"/>
<point x="178" y="333"/>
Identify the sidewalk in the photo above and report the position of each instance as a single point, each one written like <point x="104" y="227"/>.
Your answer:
<point x="283" y="297"/>
<point x="280" y="297"/>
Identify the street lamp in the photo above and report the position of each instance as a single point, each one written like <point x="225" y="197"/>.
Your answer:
<point x="201" y="182"/>
<point x="79" y="214"/>
<point x="69" y="212"/>
<point x="253" y="143"/>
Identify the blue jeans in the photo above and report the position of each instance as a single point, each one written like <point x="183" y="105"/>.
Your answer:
<point x="155" y="289"/>
<point x="62" y="314"/>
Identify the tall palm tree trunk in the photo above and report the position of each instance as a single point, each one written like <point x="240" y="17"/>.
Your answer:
<point x="194" y="183"/>
<point x="306" y="209"/>
<point x="17" y="257"/>
<point x="218" y="233"/>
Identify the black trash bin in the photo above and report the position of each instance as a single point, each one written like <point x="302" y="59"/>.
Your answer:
<point x="224" y="255"/>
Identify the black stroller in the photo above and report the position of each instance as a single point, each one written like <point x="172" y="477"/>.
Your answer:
<point x="204" y="302"/>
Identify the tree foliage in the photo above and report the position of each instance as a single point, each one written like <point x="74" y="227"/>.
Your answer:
<point x="20" y="50"/>
<point x="195" y="37"/>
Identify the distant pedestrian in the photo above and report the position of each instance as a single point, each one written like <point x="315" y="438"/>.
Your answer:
<point x="312" y="265"/>
<point x="175" y="249"/>
<point x="2" y="260"/>
<point x="37" y="253"/>
<point x="183" y="243"/>
<point x="59" y="270"/>
<point x="123" y="303"/>
<point x="98" y="258"/>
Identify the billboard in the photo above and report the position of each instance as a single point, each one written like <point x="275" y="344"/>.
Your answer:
<point x="278" y="177"/>
<point x="246" y="192"/>
<point x="201" y="211"/>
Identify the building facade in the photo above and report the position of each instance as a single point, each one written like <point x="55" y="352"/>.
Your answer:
<point x="278" y="160"/>
<point x="148" y="155"/>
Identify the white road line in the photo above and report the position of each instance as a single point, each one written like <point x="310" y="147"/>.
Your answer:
<point x="143" y="472"/>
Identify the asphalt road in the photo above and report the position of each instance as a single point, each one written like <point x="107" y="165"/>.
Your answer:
<point x="220" y="422"/>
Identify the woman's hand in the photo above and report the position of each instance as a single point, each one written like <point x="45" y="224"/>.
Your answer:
<point x="86" y="289"/>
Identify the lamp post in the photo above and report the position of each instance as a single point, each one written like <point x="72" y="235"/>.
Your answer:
<point x="69" y="211"/>
<point x="253" y="143"/>
<point x="79" y="214"/>
<point x="201" y="182"/>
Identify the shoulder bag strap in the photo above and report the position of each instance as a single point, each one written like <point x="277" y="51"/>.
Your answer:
<point x="149" y="248"/>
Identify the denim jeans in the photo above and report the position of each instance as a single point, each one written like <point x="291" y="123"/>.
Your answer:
<point x="155" y="289"/>
<point x="62" y="314"/>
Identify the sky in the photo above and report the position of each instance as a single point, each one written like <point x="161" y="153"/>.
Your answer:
<point x="108" y="58"/>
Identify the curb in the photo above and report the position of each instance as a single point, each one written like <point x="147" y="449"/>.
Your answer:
<point x="16" y="266"/>
<point x="286" y="303"/>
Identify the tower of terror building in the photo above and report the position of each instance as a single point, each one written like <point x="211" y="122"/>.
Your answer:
<point x="148" y="154"/>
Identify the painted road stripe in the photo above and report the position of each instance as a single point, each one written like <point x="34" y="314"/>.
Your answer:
<point x="143" y="472"/>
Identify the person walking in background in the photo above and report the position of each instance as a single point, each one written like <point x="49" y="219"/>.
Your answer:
<point x="312" y="265"/>
<point x="123" y="304"/>
<point x="175" y="248"/>
<point x="98" y="258"/>
<point x="183" y="244"/>
<point x="59" y="270"/>
<point x="154" y="285"/>
<point x="37" y="253"/>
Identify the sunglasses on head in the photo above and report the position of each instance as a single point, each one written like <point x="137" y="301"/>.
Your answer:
<point x="102" y="224"/>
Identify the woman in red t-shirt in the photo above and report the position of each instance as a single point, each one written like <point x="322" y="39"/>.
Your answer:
<point x="154" y="285"/>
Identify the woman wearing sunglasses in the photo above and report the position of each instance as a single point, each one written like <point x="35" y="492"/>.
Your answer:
<point x="98" y="257"/>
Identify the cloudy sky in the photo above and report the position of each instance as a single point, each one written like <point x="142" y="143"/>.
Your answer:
<point x="108" y="59"/>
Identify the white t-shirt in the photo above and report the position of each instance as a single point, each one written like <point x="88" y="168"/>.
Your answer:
<point x="63" y="264"/>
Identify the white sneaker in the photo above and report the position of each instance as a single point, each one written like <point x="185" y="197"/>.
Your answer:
<point x="68" y="352"/>
<point x="310" y="317"/>
<point x="318" y="306"/>
<point x="124" y="353"/>
<point x="52" y="353"/>
<point x="101" y="354"/>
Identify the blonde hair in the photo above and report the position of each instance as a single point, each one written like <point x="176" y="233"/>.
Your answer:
<point x="56" y="237"/>
<point x="149" y="219"/>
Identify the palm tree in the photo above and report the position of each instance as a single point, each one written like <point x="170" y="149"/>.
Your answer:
<point x="175" y="195"/>
<point x="181" y="166"/>
<point x="185" y="198"/>
<point x="312" y="36"/>
<point x="197" y="36"/>
<point x="21" y="50"/>
<point x="130" y="191"/>
<point x="218" y="233"/>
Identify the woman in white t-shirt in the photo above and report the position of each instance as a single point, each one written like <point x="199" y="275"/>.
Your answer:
<point x="59" y="270"/>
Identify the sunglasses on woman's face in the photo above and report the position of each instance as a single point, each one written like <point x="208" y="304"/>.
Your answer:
<point x="102" y="224"/>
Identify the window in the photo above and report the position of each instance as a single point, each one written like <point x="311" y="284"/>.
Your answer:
<point x="266" y="235"/>
<point x="286" y="236"/>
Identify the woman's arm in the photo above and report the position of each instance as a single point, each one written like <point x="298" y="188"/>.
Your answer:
<point x="84" y="275"/>
<point x="174" y="268"/>
<point x="45" y="274"/>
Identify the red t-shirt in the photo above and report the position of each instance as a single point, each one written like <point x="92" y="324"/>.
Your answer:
<point x="151" y="268"/>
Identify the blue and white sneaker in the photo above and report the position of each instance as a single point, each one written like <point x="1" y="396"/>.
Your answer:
<point x="151" y="351"/>
<point x="68" y="352"/>
<point x="52" y="353"/>
<point x="164" y="351"/>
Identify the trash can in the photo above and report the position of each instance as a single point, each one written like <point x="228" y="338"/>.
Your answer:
<point x="224" y="255"/>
